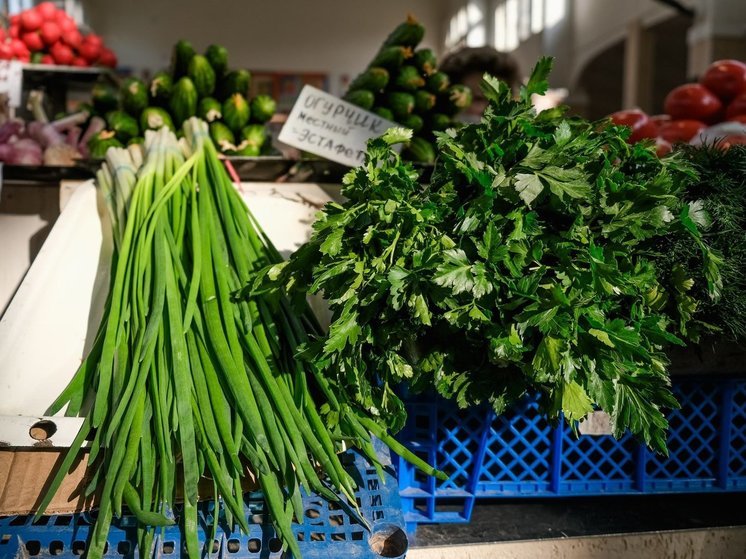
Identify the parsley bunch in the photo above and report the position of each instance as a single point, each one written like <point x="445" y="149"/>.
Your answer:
<point x="523" y="266"/>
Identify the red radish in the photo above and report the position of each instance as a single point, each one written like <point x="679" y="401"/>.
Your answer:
<point x="725" y="78"/>
<point x="82" y="62"/>
<point x="15" y="19"/>
<point x="692" y="101"/>
<point x="662" y="147"/>
<point x="20" y="50"/>
<point x="90" y="51"/>
<point x="50" y="32"/>
<point x="24" y="57"/>
<point x="6" y="51"/>
<point x="62" y="54"/>
<point x="14" y="31"/>
<point x="641" y="125"/>
<point x="738" y="118"/>
<point x="3" y="35"/>
<point x="108" y="58"/>
<point x="660" y="120"/>
<point x="681" y="130"/>
<point x="47" y="59"/>
<point x="31" y="20"/>
<point x="736" y="107"/>
<point x="94" y="39"/>
<point x="47" y="10"/>
<point x="33" y="41"/>
<point x="66" y="24"/>
<point x="72" y="38"/>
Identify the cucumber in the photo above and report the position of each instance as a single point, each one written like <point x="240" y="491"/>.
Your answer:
<point x="383" y="112"/>
<point x="183" y="102"/>
<point x="438" y="82"/>
<point x="181" y="55"/>
<point x="210" y="109"/>
<point x="237" y="81"/>
<point x="362" y="98"/>
<point x="202" y="75"/>
<point x="222" y="136"/>
<point x="154" y="118"/>
<point x="409" y="78"/>
<point x="391" y="58"/>
<point x="400" y="103"/>
<point x="414" y="122"/>
<point x="407" y="34"/>
<point x="104" y="98"/>
<point x="373" y="79"/>
<point x="425" y="61"/>
<point x="101" y="142"/>
<point x="217" y="56"/>
<point x="419" y="150"/>
<point x="122" y="124"/>
<point x="134" y="96"/>
<point x="424" y="101"/>
<point x="440" y="121"/>
<point x="460" y="96"/>
<point x="254" y="135"/>
<point x="262" y="108"/>
<point x="236" y="112"/>
<point x="161" y="87"/>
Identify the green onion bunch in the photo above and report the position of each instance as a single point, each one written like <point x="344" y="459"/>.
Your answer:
<point x="186" y="381"/>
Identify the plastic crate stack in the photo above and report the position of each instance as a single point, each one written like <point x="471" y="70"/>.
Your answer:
<point x="519" y="454"/>
<point x="328" y="529"/>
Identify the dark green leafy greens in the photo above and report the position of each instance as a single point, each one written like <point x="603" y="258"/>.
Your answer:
<point x="719" y="190"/>
<point x="521" y="267"/>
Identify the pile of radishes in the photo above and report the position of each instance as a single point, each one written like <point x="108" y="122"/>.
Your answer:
<point x="713" y="110"/>
<point x="46" y="34"/>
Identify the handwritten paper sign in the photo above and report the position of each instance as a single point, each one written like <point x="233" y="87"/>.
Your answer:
<point x="11" y="80"/>
<point x="329" y="127"/>
<point x="596" y="424"/>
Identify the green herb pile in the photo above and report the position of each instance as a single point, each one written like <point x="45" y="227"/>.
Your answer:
<point x="521" y="267"/>
<point x="182" y="381"/>
<point x="720" y="189"/>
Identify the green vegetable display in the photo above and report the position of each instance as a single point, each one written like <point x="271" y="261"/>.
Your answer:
<point x="123" y="125"/>
<point x="523" y="266"/>
<point x="104" y="98"/>
<point x="196" y="85"/>
<point x="102" y="142"/>
<point x="186" y="379"/>
<point x="404" y="85"/>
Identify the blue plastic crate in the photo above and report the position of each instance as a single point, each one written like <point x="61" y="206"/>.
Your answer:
<point x="327" y="529"/>
<point x="519" y="454"/>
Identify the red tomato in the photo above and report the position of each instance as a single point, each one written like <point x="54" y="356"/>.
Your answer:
<point x="31" y="20"/>
<point x="681" y="130"/>
<point x="66" y="24"/>
<point x="47" y="59"/>
<point x="72" y="38"/>
<point x="108" y="58"/>
<point x="662" y="147"/>
<point x="50" y="32"/>
<point x="692" y="101"/>
<point x="725" y="78"/>
<point x="20" y="50"/>
<point x="62" y="53"/>
<point x="6" y="51"/>
<point x="90" y="51"/>
<point x="82" y="62"/>
<point x="3" y="35"/>
<point x="738" y="118"/>
<point x="14" y="31"/>
<point x="15" y="19"/>
<point x="47" y="10"/>
<point x="660" y="120"/>
<point x="641" y="125"/>
<point x="736" y="107"/>
<point x="33" y="41"/>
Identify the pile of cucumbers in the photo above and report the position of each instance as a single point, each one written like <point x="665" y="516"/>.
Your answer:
<point x="403" y="84"/>
<point x="198" y="85"/>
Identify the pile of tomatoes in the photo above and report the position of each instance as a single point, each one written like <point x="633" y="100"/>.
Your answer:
<point x="690" y="109"/>
<point x="48" y="35"/>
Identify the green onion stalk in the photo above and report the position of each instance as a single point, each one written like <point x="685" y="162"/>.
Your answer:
<point x="188" y="382"/>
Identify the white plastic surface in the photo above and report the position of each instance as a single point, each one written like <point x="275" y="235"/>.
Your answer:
<point x="51" y="322"/>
